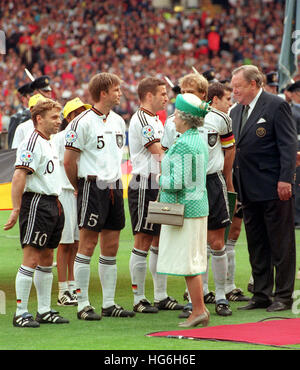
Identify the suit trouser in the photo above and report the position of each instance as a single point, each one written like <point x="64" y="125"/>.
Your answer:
<point x="297" y="196"/>
<point x="271" y="243"/>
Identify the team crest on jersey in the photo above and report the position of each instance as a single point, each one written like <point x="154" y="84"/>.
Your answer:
<point x="26" y="156"/>
<point x="71" y="137"/>
<point x="212" y="139"/>
<point x="119" y="139"/>
<point x="148" y="131"/>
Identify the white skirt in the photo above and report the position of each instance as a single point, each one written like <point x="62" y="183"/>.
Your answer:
<point x="183" y="249"/>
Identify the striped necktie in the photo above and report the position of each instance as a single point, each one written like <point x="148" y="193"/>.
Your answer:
<point x="244" y="116"/>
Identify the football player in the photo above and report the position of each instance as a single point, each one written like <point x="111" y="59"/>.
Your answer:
<point x="93" y="156"/>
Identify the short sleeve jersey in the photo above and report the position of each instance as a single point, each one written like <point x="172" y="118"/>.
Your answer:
<point x="100" y="140"/>
<point x="217" y="133"/>
<point x="38" y="156"/>
<point x="145" y="129"/>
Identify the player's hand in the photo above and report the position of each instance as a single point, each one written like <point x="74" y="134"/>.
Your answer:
<point x="12" y="220"/>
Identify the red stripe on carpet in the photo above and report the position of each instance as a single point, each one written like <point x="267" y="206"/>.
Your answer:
<point x="274" y="332"/>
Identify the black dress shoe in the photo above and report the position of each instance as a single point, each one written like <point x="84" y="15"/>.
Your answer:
<point x="252" y="305"/>
<point x="279" y="306"/>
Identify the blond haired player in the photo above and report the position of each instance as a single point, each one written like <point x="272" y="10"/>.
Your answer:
<point x="35" y="192"/>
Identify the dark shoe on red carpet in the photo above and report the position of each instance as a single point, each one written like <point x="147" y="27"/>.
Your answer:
<point x="252" y="305"/>
<point x="279" y="306"/>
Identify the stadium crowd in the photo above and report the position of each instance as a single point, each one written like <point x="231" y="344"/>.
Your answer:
<point x="70" y="41"/>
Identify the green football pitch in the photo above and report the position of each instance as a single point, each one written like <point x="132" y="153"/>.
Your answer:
<point x="117" y="333"/>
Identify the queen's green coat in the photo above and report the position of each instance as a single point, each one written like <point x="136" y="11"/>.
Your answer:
<point x="183" y="175"/>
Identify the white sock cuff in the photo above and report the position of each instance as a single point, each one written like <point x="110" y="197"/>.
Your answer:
<point x="154" y="249"/>
<point x="218" y="252"/>
<point x="106" y="260"/>
<point x="81" y="258"/>
<point x="25" y="270"/>
<point x="230" y="244"/>
<point x="46" y="269"/>
<point x="140" y="253"/>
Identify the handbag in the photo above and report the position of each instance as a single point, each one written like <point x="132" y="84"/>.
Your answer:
<point x="165" y="213"/>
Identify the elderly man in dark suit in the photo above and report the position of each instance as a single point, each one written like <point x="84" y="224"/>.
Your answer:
<point x="266" y="146"/>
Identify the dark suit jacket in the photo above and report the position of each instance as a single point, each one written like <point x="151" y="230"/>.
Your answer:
<point x="265" y="149"/>
<point x="296" y="115"/>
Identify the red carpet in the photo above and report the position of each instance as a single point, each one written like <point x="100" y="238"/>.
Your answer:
<point x="274" y="333"/>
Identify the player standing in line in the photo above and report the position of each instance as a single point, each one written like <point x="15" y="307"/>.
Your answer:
<point x="68" y="244"/>
<point x="93" y="157"/>
<point x="41" y="217"/>
<point x="221" y="142"/>
<point x="145" y="132"/>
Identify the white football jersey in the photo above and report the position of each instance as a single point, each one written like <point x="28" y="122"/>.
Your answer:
<point x="144" y="130"/>
<point x="38" y="155"/>
<point x="217" y="133"/>
<point x="23" y="130"/>
<point x="58" y="140"/>
<point x="100" y="140"/>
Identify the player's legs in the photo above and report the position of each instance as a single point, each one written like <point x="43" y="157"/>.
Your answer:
<point x="65" y="257"/>
<point x="218" y="220"/>
<point x="159" y="280"/>
<point x="87" y="242"/>
<point x="138" y="265"/>
<point x="71" y="279"/>
<point x="41" y="222"/>
<point x="67" y="250"/>
<point x="39" y="262"/>
<point x="233" y="236"/>
<point x="107" y="267"/>
<point x="62" y="268"/>
<point x="218" y="260"/>
<point x="24" y="278"/>
<point x="43" y="279"/>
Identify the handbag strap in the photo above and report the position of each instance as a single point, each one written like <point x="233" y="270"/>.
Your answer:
<point x="158" y="196"/>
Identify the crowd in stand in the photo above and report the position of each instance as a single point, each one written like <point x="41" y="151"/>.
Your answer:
<point x="70" y="41"/>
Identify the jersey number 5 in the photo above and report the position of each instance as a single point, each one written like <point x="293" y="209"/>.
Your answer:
<point x="100" y="142"/>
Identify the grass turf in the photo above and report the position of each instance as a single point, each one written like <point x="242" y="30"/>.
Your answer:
<point x="116" y="333"/>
